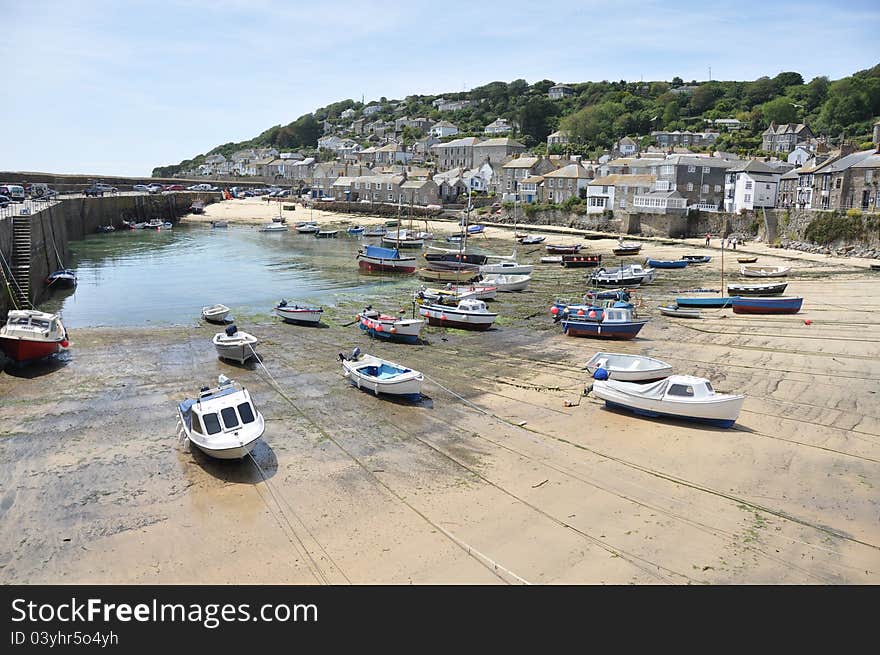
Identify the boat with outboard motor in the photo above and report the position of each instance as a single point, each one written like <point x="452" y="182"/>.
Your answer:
<point x="234" y="344"/>
<point x="370" y="373"/>
<point x="30" y="334"/>
<point x="221" y="422"/>
<point x="393" y="328"/>
<point x="630" y="368"/>
<point x="298" y="313"/>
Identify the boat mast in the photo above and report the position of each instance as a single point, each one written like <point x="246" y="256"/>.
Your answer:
<point x="722" y="268"/>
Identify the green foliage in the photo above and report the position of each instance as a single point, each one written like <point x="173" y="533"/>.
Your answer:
<point x="831" y="226"/>
<point x="779" y="110"/>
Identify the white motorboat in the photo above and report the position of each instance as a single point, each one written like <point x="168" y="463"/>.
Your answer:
<point x="447" y="295"/>
<point x="504" y="283"/>
<point x="393" y="328"/>
<point x="154" y="224"/>
<point x="381" y="376"/>
<point x="402" y="239"/>
<point x="630" y="368"/>
<point x="274" y="227"/>
<point x="506" y="268"/>
<point x="298" y="314"/>
<point x="307" y="228"/>
<point x="222" y="422"/>
<point x="478" y="291"/>
<point x="235" y="345"/>
<point x="764" y="271"/>
<point x="469" y="314"/>
<point x="30" y="334"/>
<point x="215" y="313"/>
<point x="678" y="396"/>
<point x="623" y="276"/>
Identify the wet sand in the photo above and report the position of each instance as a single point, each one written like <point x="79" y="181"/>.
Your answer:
<point x="505" y="473"/>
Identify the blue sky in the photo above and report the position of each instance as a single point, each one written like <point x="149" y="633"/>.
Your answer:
<point x="118" y="87"/>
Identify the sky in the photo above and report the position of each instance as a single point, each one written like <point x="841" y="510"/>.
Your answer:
<point x="116" y="87"/>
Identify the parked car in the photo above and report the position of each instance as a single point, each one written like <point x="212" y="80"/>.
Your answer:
<point x="106" y="188"/>
<point x="5" y="201"/>
<point x="173" y="187"/>
<point x="15" y="192"/>
<point x="155" y="188"/>
<point x="93" y="191"/>
<point x="141" y="188"/>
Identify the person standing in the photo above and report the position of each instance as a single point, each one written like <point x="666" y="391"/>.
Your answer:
<point x="708" y="235"/>
<point x="733" y="242"/>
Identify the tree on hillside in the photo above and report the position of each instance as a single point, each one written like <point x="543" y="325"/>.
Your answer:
<point x="787" y="79"/>
<point x="534" y="118"/>
<point x="759" y="91"/>
<point x="780" y="110"/>
<point x="704" y="97"/>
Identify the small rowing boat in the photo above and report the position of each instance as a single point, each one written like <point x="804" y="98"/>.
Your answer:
<point x="297" y="314"/>
<point x="746" y="260"/>
<point x="764" y="271"/>
<point x="380" y="376"/>
<point x="679" y="312"/>
<point x="630" y="368"/>
<point x="757" y="289"/>
<point x="789" y="305"/>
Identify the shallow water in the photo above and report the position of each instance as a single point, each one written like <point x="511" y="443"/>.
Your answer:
<point x="138" y="277"/>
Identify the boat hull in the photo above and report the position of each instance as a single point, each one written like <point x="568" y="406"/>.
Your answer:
<point x="714" y="303"/>
<point x="661" y="263"/>
<point x="405" y="265"/>
<point x="622" y="252"/>
<point x="291" y="315"/>
<point x="400" y="331"/>
<point x="238" y="452"/>
<point x="648" y="413"/>
<point x="447" y="276"/>
<point x="600" y="330"/>
<point x="580" y="261"/>
<point x="563" y="250"/>
<point x="767" y="305"/>
<point x="450" y="317"/>
<point x="757" y="289"/>
<point x="680" y="312"/>
<point x="25" y="350"/>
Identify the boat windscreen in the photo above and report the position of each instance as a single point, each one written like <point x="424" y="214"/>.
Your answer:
<point x="212" y="423"/>
<point x="230" y="418"/>
<point x="246" y="412"/>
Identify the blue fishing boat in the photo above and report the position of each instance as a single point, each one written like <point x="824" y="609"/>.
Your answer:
<point x="614" y="323"/>
<point x="476" y="229"/>
<point x="712" y="301"/>
<point x="789" y="305"/>
<point x="609" y="294"/>
<point x="666" y="263"/>
<point x="697" y="259"/>
<point x="356" y="229"/>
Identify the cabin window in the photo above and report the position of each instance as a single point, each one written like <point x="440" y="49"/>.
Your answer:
<point x="212" y="423"/>
<point x="709" y="388"/>
<point x="230" y="418"/>
<point x="197" y="424"/>
<point x="681" y="390"/>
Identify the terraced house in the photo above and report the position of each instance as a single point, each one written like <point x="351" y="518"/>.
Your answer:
<point x="785" y="138"/>
<point x="518" y="169"/>
<point x="566" y="182"/>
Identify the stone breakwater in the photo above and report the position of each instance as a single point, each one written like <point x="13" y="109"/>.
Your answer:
<point x="838" y="251"/>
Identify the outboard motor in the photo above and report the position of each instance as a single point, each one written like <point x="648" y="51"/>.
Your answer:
<point x="600" y="374"/>
<point x="283" y="303"/>
<point x="231" y="330"/>
<point x="355" y="354"/>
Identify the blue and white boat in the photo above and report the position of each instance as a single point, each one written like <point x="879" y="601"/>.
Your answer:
<point x="381" y="376"/>
<point x="614" y="323"/>
<point x="697" y="259"/>
<point x="666" y="263"/>
<point x="678" y="396"/>
<point x="476" y="229"/>
<point x="356" y="229"/>
<point x="707" y="302"/>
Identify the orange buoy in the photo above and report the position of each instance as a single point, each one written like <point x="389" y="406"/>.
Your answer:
<point x="807" y="321"/>
<point x="554" y="310"/>
<point x="580" y="312"/>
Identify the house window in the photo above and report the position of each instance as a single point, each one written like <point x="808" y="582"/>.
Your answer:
<point x="717" y="188"/>
<point x="391" y="196"/>
<point x="692" y="169"/>
<point x="748" y="197"/>
<point x="604" y="189"/>
<point x="704" y="188"/>
<point x="389" y="187"/>
<point x="838" y="182"/>
<point x="869" y="175"/>
<point x="690" y="186"/>
<point x="748" y="185"/>
<point x="706" y="170"/>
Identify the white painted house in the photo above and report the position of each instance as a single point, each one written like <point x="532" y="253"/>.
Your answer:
<point x="753" y="185"/>
<point x="798" y="156"/>
<point x="442" y="129"/>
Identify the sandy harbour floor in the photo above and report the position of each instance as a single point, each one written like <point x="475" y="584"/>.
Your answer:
<point x="505" y="473"/>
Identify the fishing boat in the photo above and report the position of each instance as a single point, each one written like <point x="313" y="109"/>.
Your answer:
<point x="622" y="276"/>
<point x="531" y="240"/>
<point x="327" y="234"/>
<point x="552" y="259"/>
<point x="627" y="248"/>
<point x="789" y="305"/>
<point x="629" y="368"/>
<point x="154" y="224"/>
<point x="401" y="239"/>
<point x="443" y="255"/>
<point x="356" y="229"/>
<point x="381" y="376"/>
<point x="560" y="249"/>
<point x="764" y="271"/>
<point x="454" y="238"/>
<point x="666" y="263"/>
<point x="377" y="258"/>
<point x="697" y="259"/>
<point x="469" y="314"/>
<point x="680" y="312"/>
<point x="215" y="313"/>
<point x="235" y="345"/>
<point x="506" y="268"/>
<point x="713" y="302"/>
<point x="746" y="260"/>
<point x="481" y="291"/>
<point x="447" y="295"/>
<point x="64" y="278"/>
<point x="476" y="229"/>
<point x="30" y="334"/>
<point x="580" y="261"/>
<point x="274" y="227"/>
<point x="375" y="232"/>
<point x="222" y="422"/>
<point x="298" y="314"/>
<point x="448" y="275"/>
<point x="393" y="328"/>
<point x="678" y="396"/>
<point x="757" y="289"/>
<point x="307" y="228"/>
<point x="505" y="283"/>
<point x="219" y="224"/>
<point x="612" y="323"/>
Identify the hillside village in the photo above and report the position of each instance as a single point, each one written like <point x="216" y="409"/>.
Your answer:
<point x="378" y="152"/>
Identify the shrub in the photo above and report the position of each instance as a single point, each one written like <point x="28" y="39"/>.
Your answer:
<point x="854" y="212"/>
<point x="830" y="227"/>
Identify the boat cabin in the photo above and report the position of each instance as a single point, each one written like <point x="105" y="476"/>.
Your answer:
<point x="472" y="305"/>
<point x="226" y="408"/>
<point x="30" y="324"/>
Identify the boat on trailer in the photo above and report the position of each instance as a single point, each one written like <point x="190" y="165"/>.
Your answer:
<point x="469" y="314"/>
<point x="393" y="328"/>
<point x="754" y="305"/>
<point x="630" y="368"/>
<point x="30" y="334"/>
<point x="678" y="396"/>
<point x="380" y="376"/>
<point x="757" y="289"/>
<point x="215" y="313"/>
<point x="221" y="422"/>
<point x="298" y="313"/>
<point x="234" y="344"/>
